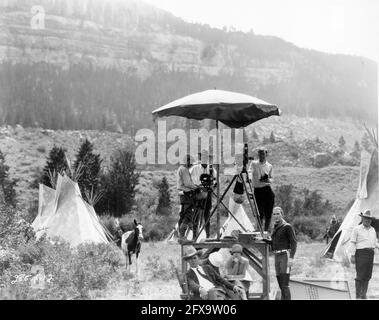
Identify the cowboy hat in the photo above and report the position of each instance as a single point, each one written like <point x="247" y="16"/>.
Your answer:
<point x="366" y="214"/>
<point x="216" y="259"/>
<point x="189" y="252"/>
<point x="236" y="248"/>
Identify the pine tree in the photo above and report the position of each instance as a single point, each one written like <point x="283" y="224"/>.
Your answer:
<point x="356" y="151"/>
<point x="255" y="135"/>
<point x="89" y="165"/>
<point x="341" y="142"/>
<point x="7" y="185"/>
<point x="357" y="146"/>
<point x="56" y="163"/>
<point x="272" y="137"/>
<point x="118" y="184"/>
<point x="164" y="202"/>
<point x="366" y="143"/>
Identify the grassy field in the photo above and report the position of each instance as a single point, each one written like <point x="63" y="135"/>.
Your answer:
<point x="157" y="281"/>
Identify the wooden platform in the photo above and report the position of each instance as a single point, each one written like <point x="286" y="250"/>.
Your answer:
<point x="256" y="251"/>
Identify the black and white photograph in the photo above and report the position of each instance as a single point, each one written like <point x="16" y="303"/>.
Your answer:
<point x="189" y="150"/>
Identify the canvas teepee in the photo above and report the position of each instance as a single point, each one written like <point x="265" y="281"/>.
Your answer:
<point x="64" y="213"/>
<point x="367" y="198"/>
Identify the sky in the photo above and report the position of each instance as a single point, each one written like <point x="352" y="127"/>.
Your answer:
<point x="333" y="26"/>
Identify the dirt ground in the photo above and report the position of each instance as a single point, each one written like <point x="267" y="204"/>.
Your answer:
<point x="155" y="279"/>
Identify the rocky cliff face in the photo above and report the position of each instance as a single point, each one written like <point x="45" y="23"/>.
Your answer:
<point x="126" y="35"/>
<point x="142" y="42"/>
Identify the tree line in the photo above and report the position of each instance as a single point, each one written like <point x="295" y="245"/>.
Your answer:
<point x="111" y="190"/>
<point x="85" y="97"/>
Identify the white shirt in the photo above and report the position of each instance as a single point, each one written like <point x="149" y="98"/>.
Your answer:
<point x="184" y="181"/>
<point x="206" y="284"/>
<point x="362" y="238"/>
<point x="258" y="169"/>
<point x="197" y="170"/>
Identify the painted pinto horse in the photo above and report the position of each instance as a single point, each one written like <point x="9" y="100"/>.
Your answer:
<point x="131" y="243"/>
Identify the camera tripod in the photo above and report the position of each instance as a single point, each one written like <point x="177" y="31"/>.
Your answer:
<point x="249" y="193"/>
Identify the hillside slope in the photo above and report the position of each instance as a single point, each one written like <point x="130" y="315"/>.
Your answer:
<point x="26" y="151"/>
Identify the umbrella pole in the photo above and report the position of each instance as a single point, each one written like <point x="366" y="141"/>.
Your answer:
<point x="218" y="181"/>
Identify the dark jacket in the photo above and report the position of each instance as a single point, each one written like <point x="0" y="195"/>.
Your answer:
<point x="206" y="262"/>
<point x="284" y="237"/>
<point x="211" y="275"/>
<point x="332" y="229"/>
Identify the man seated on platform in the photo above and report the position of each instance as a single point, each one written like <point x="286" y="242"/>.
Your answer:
<point x="204" y="282"/>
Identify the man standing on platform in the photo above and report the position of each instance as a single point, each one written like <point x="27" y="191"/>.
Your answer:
<point x="284" y="245"/>
<point x="186" y="187"/>
<point x="262" y="179"/>
<point x="363" y="243"/>
<point x="204" y="167"/>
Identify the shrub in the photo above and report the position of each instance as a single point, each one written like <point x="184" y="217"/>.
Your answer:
<point x="154" y="234"/>
<point x="341" y="142"/>
<point x="160" y="270"/>
<point x="72" y="273"/>
<point x="321" y="160"/>
<point x="7" y="185"/>
<point x="284" y="198"/>
<point x="41" y="149"/>
<point x="157" y="228"/>
<point x="109" y="222"/>
<point x="313" y="204"/>
<point x="301" y="237"/>
<point x="272" y="137"/>
<point x="308" y="226"/>
<point x="118" y="185"/>
<point x="164" y="202"/>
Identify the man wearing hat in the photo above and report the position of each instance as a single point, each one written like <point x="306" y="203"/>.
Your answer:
<point x="186" y="187"/>
<point x="214" y="260"/>
<point x="204" y="167"/>
<point x="283" y="244"/>
<point x="363" y="242"/>
<point x="261" y="172"/>
<point x="203" y="281"/>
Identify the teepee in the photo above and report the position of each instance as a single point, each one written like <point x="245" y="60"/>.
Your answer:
<point x="63" y="213"/>
<point x="367" y="198"/>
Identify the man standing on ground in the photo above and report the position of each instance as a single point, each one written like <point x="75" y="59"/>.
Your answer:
<point x="284" y="245"/>
<point x="262" y="179"/>
<point x="196" y="171"/>
<point x="186" y="187"/>
<point x="363" y="243"/>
